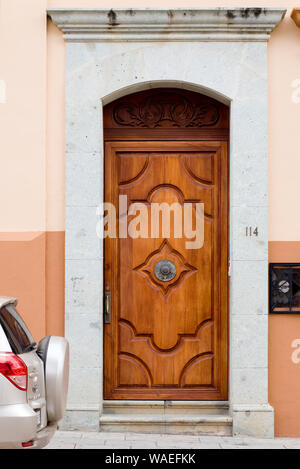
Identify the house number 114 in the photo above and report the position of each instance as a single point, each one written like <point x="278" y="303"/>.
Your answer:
<point x="251" y="231"/>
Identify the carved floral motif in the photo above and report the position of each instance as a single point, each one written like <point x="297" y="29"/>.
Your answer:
<point x="166" y="110"/>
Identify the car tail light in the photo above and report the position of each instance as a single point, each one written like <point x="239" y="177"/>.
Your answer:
<point x="27" y="444"/>
<point x="14" y="369"/>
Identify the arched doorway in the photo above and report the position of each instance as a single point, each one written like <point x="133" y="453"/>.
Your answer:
<point x="166" y="304"/>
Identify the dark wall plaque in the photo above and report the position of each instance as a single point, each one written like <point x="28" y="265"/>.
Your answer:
<point x="284" y="293"/>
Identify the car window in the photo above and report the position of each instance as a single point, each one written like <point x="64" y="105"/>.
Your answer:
<point x="17" y="334"/>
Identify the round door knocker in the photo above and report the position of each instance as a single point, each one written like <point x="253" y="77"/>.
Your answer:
<point x="165" y="270"/>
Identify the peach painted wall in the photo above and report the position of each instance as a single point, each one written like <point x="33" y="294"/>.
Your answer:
<point x="23" y="67"/>
<point x="32" y="259"/>
<point x="32" y="269"/>
<point x="22" y="274"/>
<point x="284" y="373"/>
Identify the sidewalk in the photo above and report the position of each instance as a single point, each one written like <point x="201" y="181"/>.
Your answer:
<point x="94" y="440"/>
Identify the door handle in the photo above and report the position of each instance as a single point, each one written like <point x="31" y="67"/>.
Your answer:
<point x="106" y="308"/>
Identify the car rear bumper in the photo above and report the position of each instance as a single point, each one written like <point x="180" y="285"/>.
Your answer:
<point x="44" y="436"/>
<point x="18" y="424"/>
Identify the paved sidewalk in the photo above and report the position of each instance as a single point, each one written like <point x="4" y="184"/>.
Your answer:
<point x="93" y="440"/>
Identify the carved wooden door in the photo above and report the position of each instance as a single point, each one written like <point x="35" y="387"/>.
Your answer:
<point x="166" y="337"/>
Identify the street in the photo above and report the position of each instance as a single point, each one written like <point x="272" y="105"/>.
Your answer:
<point x="101" y="440"/>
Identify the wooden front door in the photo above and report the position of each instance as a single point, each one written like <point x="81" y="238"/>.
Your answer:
<point x="167" y="333"/>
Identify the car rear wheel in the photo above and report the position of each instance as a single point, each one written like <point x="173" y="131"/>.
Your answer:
<point x="54" y="351"/>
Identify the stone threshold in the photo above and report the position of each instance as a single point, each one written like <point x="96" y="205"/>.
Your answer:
<point x="167" y="417"/>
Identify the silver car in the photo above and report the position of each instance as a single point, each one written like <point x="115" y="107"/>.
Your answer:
<point x="33" y="382"/>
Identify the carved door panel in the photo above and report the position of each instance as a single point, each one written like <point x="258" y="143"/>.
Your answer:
<point x="167" y="338"/>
